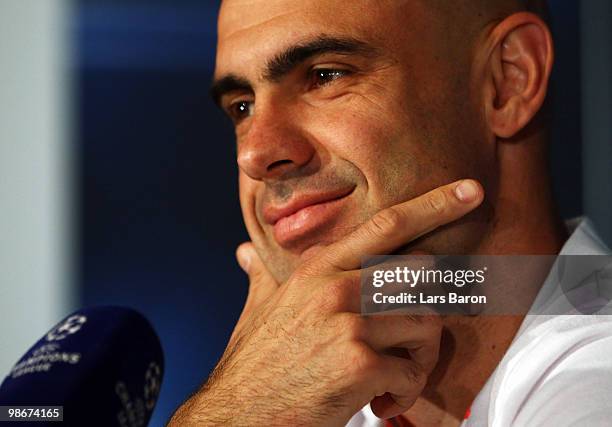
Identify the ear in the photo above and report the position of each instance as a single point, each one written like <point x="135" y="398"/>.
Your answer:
<point x="520" y="63"/>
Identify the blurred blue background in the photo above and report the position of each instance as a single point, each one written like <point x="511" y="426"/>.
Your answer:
<point x="160" y="218"/>
<point x="153" y="177"/>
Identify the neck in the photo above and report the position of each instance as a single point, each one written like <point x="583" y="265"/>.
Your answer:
<point x="525" y="219"/>
<point x="470" y="350"/>
<point x="524" y="222"/>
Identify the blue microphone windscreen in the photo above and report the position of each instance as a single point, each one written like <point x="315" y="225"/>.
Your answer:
<point x="104" y="365"/>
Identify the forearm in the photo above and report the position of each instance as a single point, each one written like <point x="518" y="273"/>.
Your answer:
<point x="191" y="413"/>
<point x="205" y="408"/>
<point x="209" y="409"/>
<point x="233" y="405"/>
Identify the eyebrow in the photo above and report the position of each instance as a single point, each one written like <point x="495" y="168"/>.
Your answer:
<point x="226" y="84"/>
<point x="286" y="61"/>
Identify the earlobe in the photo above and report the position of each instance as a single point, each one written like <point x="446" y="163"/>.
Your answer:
<point x="520" y="66"/>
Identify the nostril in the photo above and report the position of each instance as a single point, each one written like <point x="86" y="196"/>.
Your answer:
<point x="278" y="164"/>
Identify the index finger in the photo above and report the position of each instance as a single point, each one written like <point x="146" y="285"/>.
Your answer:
<point x="397" y="225"/>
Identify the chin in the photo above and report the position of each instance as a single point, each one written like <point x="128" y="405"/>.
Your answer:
<point x="283" y="263"/>
<point x="311" y="252"/>
<point x="462" y="237"/>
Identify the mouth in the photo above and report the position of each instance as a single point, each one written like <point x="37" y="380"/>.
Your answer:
<point x="304" y="214"/>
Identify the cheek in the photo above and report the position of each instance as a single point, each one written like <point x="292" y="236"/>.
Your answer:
<point x="402" y="150"/>
<point x="248" y="191"/>
<point x="372" y="142"/>
<point x="396" y="159"/>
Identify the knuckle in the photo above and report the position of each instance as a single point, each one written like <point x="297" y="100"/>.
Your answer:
<point x="430" y="324"/>
<point x="414" y="375"/>
<point x="434" y="320"/>
<point x="360" y="359"/>
<point x="407" y="322"/>
<point x="419" y="379"/>
<point x="436" y="201"/>
<point x="332" y="296"/>
<point x="306" y="272"/>
<point x="256" y="279"/>
<point x="351" y="326"/>
<point x="435" y="357"/>
<point x="385" y="222"/>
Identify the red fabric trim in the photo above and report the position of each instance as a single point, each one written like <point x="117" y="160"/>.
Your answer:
<point x="467" y="413"/>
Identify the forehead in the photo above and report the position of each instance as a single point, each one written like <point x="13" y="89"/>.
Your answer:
<point x="253" y="30"/>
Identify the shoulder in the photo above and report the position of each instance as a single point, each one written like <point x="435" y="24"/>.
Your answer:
<point x="559" y="373"/>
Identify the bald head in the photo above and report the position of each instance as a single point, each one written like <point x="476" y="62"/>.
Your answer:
<point x="384" y="100"/>
<point x="497" y="9"/>
<point x="465" y="18"/>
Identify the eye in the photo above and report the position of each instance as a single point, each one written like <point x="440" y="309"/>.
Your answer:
<point x="240" y="110"/>
<point x="323" y="76"/>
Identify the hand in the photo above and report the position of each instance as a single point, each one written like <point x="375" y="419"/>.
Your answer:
<point x="301" y="354"/>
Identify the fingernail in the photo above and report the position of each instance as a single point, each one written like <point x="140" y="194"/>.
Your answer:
<point x="467" y="190"/>
<point x="244" y="260"/>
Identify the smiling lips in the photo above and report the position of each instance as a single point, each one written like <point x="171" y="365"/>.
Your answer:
<point x="304" y="214"/>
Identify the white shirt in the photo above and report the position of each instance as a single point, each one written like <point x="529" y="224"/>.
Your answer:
<point x="558" y="370"/>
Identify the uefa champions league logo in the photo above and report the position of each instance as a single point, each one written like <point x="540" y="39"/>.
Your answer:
<point x="68" y="327"/>
<point x="152" y="385"/>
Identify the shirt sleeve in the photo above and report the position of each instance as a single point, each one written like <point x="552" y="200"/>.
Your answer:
<point x="576" y="391"/>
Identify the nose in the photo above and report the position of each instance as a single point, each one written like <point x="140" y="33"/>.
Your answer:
<point x="273" y="147"/>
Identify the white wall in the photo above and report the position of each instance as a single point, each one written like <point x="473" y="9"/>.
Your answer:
<point x="35" y="173"/>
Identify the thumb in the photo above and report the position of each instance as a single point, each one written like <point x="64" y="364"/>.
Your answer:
<point x="261" y="283"/>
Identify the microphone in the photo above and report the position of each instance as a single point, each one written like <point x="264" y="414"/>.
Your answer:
<point x="104" y="365"/>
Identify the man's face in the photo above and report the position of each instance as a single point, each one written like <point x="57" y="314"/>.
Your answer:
<point x="342" y="109"/>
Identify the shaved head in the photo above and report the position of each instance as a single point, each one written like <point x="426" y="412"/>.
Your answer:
<point x="378" y="102"/>
<point x="491" y="9"/>
<point x="467" y="17"/>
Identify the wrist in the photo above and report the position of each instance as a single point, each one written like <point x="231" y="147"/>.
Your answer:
<point x="201" y="409"/>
